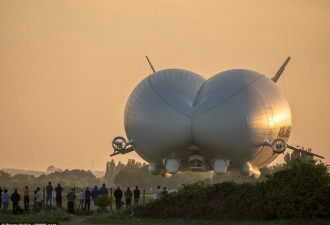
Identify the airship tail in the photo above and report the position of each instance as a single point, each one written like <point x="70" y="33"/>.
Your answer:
<point x="153" y="69"/>
<point x="280" y="71"/>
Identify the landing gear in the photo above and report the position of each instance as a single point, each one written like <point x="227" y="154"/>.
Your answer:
<point x="121" y="146"/>
<point x="279" y="146"/>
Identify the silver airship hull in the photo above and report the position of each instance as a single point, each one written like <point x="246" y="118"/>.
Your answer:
<point x="177" y="120"/>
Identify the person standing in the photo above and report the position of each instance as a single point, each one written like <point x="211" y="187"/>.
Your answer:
<point x="26" y="198"/>
<point x="128" y="197"/>
<point x="53" y="195"/>
<point x="104" y="190"/>
<point x="118" y="195"/>
<point x="49" y="190"/>
<point x="71" y="197"/>
<point x="5" y="200"/>
<point x="39" y="197"/>
<point x="87" y="199"/>
<point x="15" y="198"/>
<point x="158" y="192"/>
<point x="1" y="197"/>
<point x="58" y="197"/>
<point x="81" y="199"/>
<point x="164" y="192"/>
<point x="136" y="195"/>
<point x="95" y="193"/>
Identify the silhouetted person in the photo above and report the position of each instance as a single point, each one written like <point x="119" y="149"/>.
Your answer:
<point x="81" y="199"/>
<point x="128" y="197"/>
<point x="118" y="195"/>
<point x="104" y="190"/>
<point x="26" y="198"/>
<point x="15" y="198"/>
<point x="136" y="195"/>
<point x="1" y="197"/>
<point x="5" y="200"/>
<point x="164" y="192"/>
<point x="158" y="192"/>
<point x="71" y="197"/>
<point x="39" y="197"/>
<point x="58" y="197"/>
<point x="87" y="199"/>
<point x="95" y="193"/>
<point x="49" y="190"/>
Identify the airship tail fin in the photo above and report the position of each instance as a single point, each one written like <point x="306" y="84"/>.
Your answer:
<point x="150" y="64"/>
<point x="304" y="151"/>
<point x="280" y="71"/>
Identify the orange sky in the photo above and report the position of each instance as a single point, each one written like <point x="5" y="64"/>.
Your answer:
<point x="68" y="67"/>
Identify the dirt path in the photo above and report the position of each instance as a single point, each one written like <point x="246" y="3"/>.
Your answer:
<point x="75" y="220"/>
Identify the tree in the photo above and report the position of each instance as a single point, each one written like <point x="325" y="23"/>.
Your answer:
<point x="126" y="177"/>
<point x="119" y="167"/>
<point x="4" y="177"/>
<point x="191" y="177"/>
<point x="20" y="180"/>
<point x="51" y="169"/>
<point x="110" y="172"/>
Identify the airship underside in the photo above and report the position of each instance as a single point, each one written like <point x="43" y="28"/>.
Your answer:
<point x="177" y="120"/>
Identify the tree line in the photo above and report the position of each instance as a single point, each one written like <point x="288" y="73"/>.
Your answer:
<point x="134" y="173"/>
<point x="67" y="178"/>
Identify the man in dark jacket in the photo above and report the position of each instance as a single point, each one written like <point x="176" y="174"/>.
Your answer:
<point x="71" y="197"/>
<point x="58" y="191"/>
<point x="95" y="193"/>
<point x="136" y="195"/>
<point x="104" y="190"/>
<point x="15" y="198"/>
<point x="118" y="195"/>
<point x="0" y="197"/>
<point x="87" y="199"/>
<point x="49" y="189"/>
<point x="128" y="197"/>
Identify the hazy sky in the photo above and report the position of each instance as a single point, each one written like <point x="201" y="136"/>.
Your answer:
<point x="68" y="67"/>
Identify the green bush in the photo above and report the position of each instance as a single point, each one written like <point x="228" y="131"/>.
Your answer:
<point x="103" y="201"/>
<point x="300" y="191"/>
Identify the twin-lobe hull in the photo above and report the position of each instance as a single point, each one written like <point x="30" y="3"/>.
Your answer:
<point x="179" y="120"/>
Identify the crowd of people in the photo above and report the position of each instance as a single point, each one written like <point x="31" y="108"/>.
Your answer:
<point x="15" y="198"/>
<point x="86" y="198"/>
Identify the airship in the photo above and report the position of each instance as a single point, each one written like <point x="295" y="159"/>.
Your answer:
<point x="177" y="120"/>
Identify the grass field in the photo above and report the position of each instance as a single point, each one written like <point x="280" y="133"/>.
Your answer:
<point x="63" y="218"/>
<point x="107" y="219"/>
<point x="136" y="221"/>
